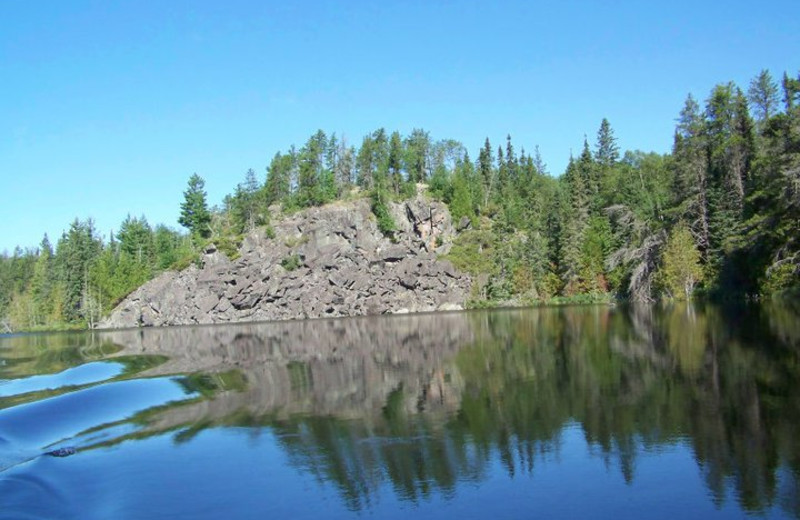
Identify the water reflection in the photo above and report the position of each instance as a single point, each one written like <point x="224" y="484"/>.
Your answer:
<point x="427" y="403"/>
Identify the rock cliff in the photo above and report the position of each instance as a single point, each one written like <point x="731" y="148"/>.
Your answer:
<point x="323" y="262"/>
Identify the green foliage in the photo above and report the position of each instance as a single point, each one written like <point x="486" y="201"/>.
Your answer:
<point x="184" y="261"/>
<point x="763" y="96"/>
<point x="380" y="209"/>
<point x="680" y="270"/>
<point x="72" y="286"/>
<point x="291" y="262"/>
<point x="473" y="252"/>
<point x="316" y="184"/>
<point x="417" y="156"/>
<point x="439" y="186"/>
<point x="595" y="249"/>
<point x="170" y="246"/>
<point x="75" y="253"/>
<point x="279" y="175"/>
<point x="781" y="278"/>
<point x="114" y="275"/>
<point x="294" y="241"/>
<point x="461" y="203"/>
<point x="248" y="205"/>
<point x="194" y="209"/>
<point x="607" y="151"/>
<point x="229" y="245"/>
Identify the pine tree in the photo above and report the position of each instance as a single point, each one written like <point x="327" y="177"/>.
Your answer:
<point x="691" y="176"/>
<point x="589" y="172"/>
<point x="75" y="252"/>
<point x="311" y="189"/>
<point x="248" y="205"/>
<point x="773" y="237"/>
<point x="538" y="162"/>
<point x="486" y="172"/>
<point x="791" y="93"/>
<point x="729" y="131"/>
<point x="365" y="163"/>
<point x="136" y="239"/>
<point x="512" y="166"/>
<point x="168" y="246"/>
<point x="380" y="156"/>
<point x="763" y="96"/>
<point x="418" y="148"/>
<point x="606" y="151"/>
<point x="501" y="188"/>
<point x="345" y="167"/>
<point x="278" y="185"/>
<point x="41" y="285"/>
<point x="395" y="161"/>
<point x="194" y="209"/>
<point x="462" y="204"/>
<point x="574" y="224"/>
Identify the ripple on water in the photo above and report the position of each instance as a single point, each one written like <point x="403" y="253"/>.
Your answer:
<point x="46" y="422"/>
<point x="28" y="495"/>
<point x="77" y="376"/>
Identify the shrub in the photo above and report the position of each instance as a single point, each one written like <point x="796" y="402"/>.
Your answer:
<point x="291" y="262"/>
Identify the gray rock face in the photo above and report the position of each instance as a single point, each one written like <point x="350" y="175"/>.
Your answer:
<point x="345" y="267"/>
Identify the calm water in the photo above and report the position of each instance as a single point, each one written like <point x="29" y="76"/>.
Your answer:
<point x="675" y="412"/>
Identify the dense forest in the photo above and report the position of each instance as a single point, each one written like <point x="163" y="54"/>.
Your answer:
<point x="718" y="217"/>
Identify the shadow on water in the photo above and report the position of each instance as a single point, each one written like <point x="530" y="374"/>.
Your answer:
<point x="427" y="404"/>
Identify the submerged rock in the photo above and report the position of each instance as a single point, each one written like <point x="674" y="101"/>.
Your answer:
<point x="62" y="452"/>
<point x="323" y="262"/>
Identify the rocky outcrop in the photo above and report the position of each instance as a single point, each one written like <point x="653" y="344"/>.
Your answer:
<point x="323" y="262"/>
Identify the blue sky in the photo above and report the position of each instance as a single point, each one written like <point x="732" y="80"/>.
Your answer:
<point x="107" y="108"/>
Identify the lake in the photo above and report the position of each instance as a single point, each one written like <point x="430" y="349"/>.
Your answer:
<point x="679" y="411"/>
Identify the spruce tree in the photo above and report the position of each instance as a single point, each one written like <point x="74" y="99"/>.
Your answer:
<point x="136" y="239"/>
<point x="194" y="209"/>
<point x="607" y="151"/>
<point x="313" y="186"/>
<point x="247" y="206"/>
<point x="691" y="176"/>
<point x="486" y="172"/>
<point x="277" y="186"/>
<point x="418" y="149"/>
<point x="763" y="96"/>
<point x="365" y="163"/>
<point x="395" y="161"/>
<point x="573" y="226"/>
<point x="75" y="252"/>
<point x="345" y="167"/>
<point x="41" y="285"/>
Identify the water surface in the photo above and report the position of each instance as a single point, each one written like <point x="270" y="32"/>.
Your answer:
<point x="600" y="412"/>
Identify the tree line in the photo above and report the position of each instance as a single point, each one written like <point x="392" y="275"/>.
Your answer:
<point x="74" y="282"/>
<point x="719" y="214"/>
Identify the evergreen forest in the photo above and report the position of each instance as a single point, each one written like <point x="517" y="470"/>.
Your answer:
<point x="718" y="217"/>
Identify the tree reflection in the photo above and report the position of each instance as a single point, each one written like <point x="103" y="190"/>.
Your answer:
<point x="428" y="402"/>
<point x="724" y="380"/>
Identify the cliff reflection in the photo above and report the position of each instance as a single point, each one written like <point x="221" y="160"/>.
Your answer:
<point x="426" y="402"/>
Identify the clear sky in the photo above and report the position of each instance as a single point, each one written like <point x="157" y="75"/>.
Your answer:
<point x="107" y="108"/>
